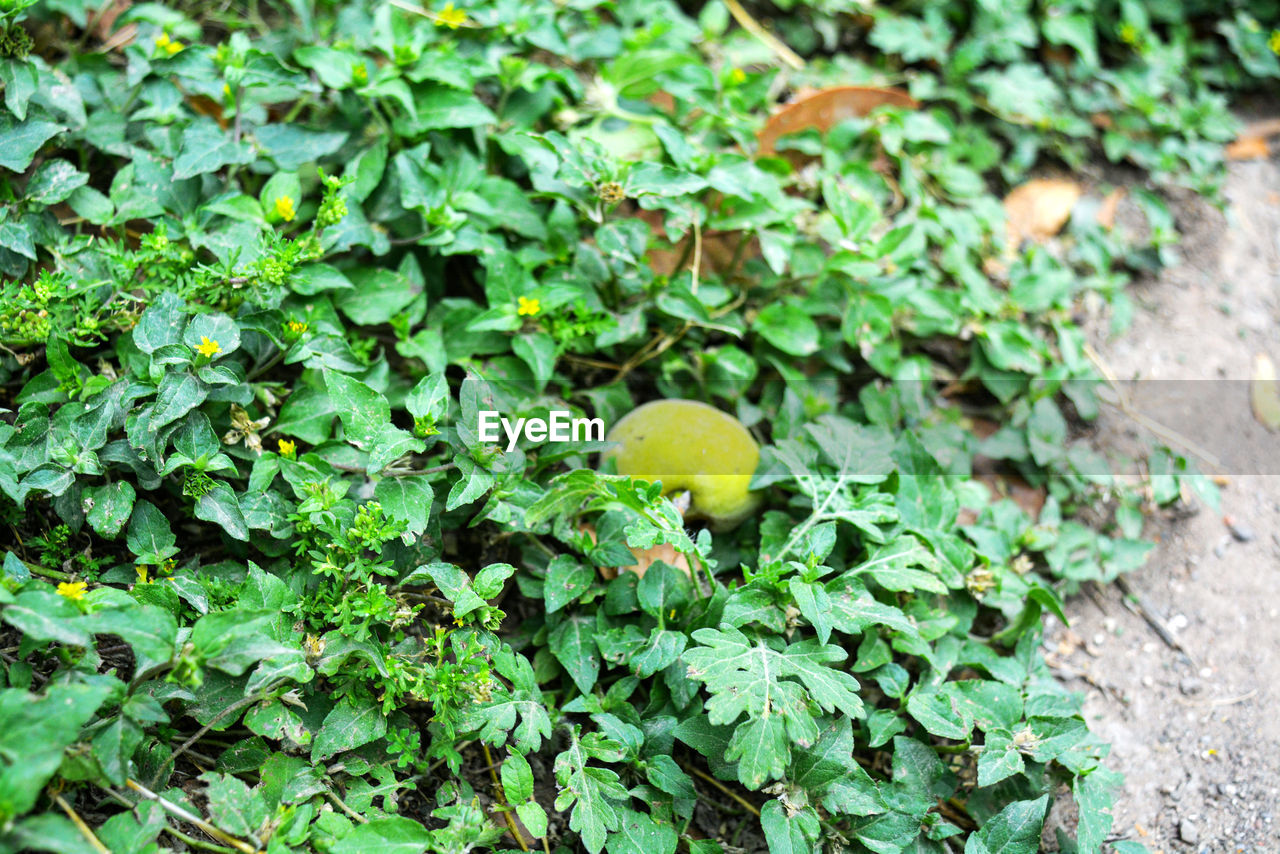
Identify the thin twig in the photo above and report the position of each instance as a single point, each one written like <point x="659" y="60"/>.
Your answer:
<point x="697" y="255"/>
<point x="188" y="816"/>
<point x="396" y="472"/>
<point x="198" y="843"/>
<point x="234" y="707"/>
<point x="1139" y="604"/>
<point x="741" y="801"/>
<point x="502" y="799"/>
<point x="752" y="26"/>
<point x="1219" y="701"/>
<point x="341" y="804"/>
<point x="1123" y="403"/>
<point x="84" y="829"/>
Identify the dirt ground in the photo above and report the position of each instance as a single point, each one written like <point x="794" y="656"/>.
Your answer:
<point x="1195" y="726"/>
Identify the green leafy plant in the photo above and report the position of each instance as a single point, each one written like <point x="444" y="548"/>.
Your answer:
<point x="266" y="587"/>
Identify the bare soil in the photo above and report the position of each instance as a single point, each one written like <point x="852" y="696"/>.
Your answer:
<point x="1195" y="723"/>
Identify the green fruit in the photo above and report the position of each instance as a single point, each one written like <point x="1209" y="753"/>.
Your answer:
<point x="691" y="446"/>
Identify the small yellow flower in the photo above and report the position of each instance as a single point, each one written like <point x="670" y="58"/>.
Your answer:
<point x="284" y="208"/>
<point x="737" y="76"/>
<point x="450" y="17"/>
<point x="297" y="327"/>
<point x="143" y="576"/>
<point x="73" y="590"/>
<point x="168" y="45"/>
<point x="1128" y="34"/>
<point x="360" y="74"/>
<point x="208" y="348"/>
<point x="287" y="448"/>
<point x="1274" y="42"/>
<point x="527" y="307"/>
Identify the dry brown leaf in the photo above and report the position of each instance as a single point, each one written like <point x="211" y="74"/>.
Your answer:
<point x="1038" y="209"/>
<point x="1263" y="394"/>
<point x="1107" y="210"/>
<point x="826" y="108"/>
<point x="105" y="22"/>
<point x="1263" y="128"/>
<point x="1248" y="148"/>
<point x="645" y="558"/>
<point x="1029" y="498"/>
<point x="718" y="247"/>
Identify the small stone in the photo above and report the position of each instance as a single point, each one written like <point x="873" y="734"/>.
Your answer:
<point x="1221" y="548"/>
<point x="1178" y="622"/>
<point x="1242" y="532"/>
<point x="1188" y="832"/>
<point x="1191" y="686"/>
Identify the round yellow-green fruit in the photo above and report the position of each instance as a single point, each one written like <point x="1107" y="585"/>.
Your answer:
<point x="688" y="445"/>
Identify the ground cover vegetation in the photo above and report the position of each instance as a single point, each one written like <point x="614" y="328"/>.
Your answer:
<point x="265" y="589"/>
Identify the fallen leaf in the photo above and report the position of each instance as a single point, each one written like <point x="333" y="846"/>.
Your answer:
<point x="1251" y="144"/>
<point x="1263" y="393"/>
<point x="1106" y="216"/>
<point x="645" y="558"/>
<point x="719" y="248"/>
<point x="826" y="108"/>
<point x="107" y="15"/>
<point x="1038" y="209"/>
<point x="1030" y="499"/>
<point x="1248" y="148"/>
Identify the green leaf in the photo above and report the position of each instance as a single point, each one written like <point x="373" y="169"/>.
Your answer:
<point x="207" y="147"/>
<point x="640" y="834"/>
<point x="440" y="107"/>
<point x="1092" y="793"/>
<point x="1000" y="758"/>
<point x="592" y="792"/>
<point x="517" y="778"/>
<point x="790" y="831"/>
<point x="19" y="141"/>
<point x="311" y="279"/>
<point x="789" y="328"/>
<point x="179" y="393"/>
<point x="149" y="537"/>
<point x="351" y="724"/>
<point x="45" y="616"/>
<point x="1014" y="830"/>
<point x="16" y="236"/>
<point x="377" y="296"/>
<point x="407" y="499"/>
<point x="573" y="644"/>
<point x="38" y="728"/>
<point x="161" y="324"/>
<point x="291" y="146"/>
<point x="390" y="835"/>
<point x="20" y="82"/>
<point x="455" y="584"/>
<point x="220" y="506"/>
<point x="567" y="579"/>
<point x="109" y="507"/>
<point x="150" y="630"/>
<point x="308" y="414"/>
<point x="661" y="651"/>
<point x="216" y="327"/>
<point x="233" y="806"/>
<point x="54" y="182"/>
